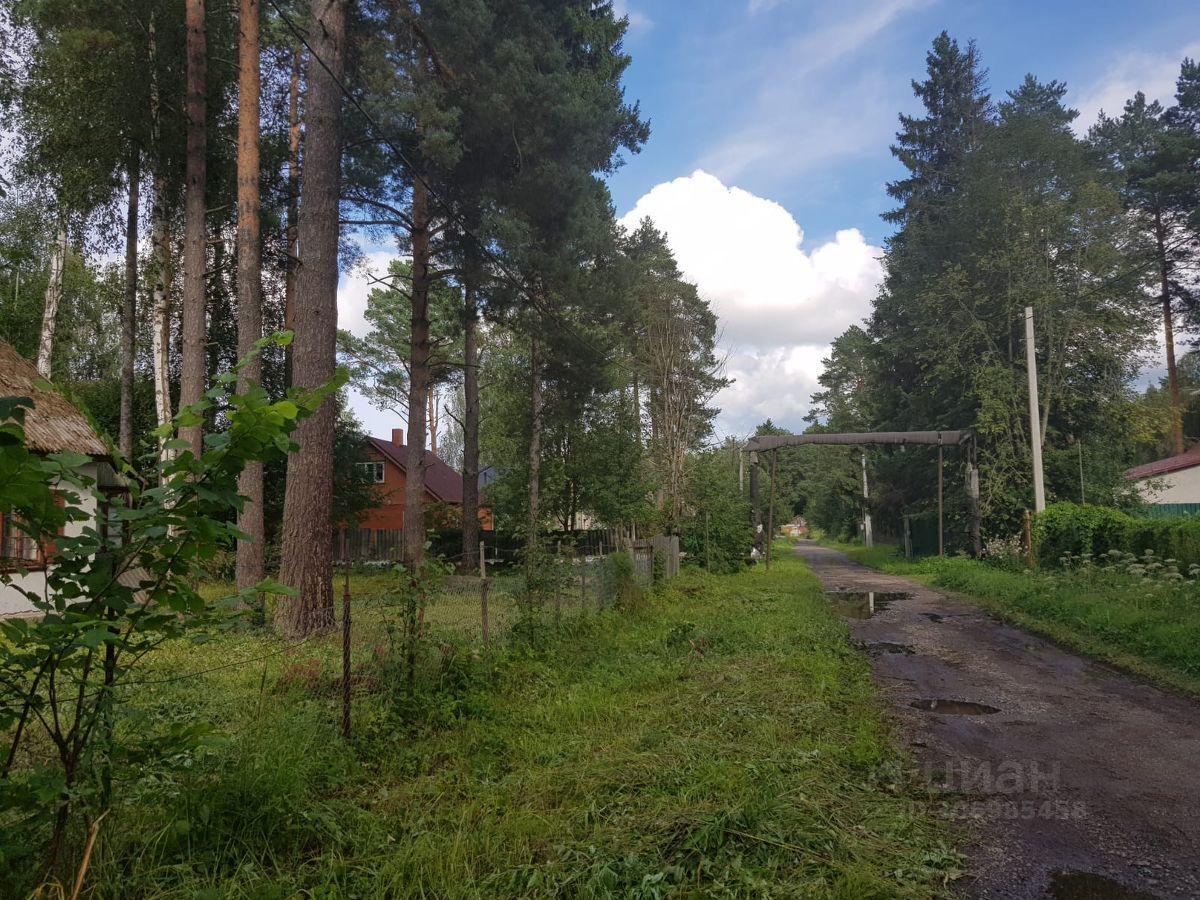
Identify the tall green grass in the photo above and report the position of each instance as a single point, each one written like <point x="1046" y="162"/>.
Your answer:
<point x="723" y="740"/>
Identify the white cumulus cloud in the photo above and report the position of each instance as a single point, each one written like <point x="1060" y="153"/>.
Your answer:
<point x="1154" y="74"/>
<point x="779" y="305"/>
<point x="356" y="285"/>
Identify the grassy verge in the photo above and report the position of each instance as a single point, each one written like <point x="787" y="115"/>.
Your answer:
<point x="1148" y="627"/>
<point x="723" y="740"/>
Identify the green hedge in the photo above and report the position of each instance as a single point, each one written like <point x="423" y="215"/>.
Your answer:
<point x="1065" y="528"/>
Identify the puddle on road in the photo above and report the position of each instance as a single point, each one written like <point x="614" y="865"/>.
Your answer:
<point x="1090" y="886"/>
<point x="954" y="707"/>
<point x="933" y="617"/>
<point x="879" y="648"/>
<point x="862" y="604"/>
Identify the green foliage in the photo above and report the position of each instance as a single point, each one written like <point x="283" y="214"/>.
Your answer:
<point x="717" y="533"/>
<point x="1003" y="208"/>
<point x="548" y="576"/>
<point x="378" y="362"/>
<point x="934" y="146"/>
<point x="106" y="606"/>
<point x="409" y="596"/>
<point x="603" y="768"/>
<point x="619" y="581"/>
<point x="1066" y="530"/>
<point x="353" y="495"/>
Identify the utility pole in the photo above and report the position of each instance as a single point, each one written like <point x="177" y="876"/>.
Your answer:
<point x="868" y="539"/>
<point x="941" y="499"/>
<point x="1035" y="425"/>
<point x="771" y="511"/>
<point x="973" y="500"/>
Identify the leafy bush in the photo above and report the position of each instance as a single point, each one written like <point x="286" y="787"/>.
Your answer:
<point x="717" y="534"/>
<point x="620" y="581"/>
<point x="1066" y="531"/>
<point x="105" y="606"/>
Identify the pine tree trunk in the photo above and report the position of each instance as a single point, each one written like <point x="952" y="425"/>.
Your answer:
<point x="470" y="466"/>
<point x="54" y="289"/>
<point x="535" y="449"/>
<point x="192" y="368"/>
<point x="249" y="567"/>
<point x="129" y="313"/>
<point x="293" y="181"/>
<point x="307" y="563"/>
<point x="1164" y="270"/>
<point x="418" y="382"/>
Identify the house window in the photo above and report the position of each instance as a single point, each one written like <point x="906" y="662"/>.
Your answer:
<point x="371" y="472"/>
<point x="17" y="549"/>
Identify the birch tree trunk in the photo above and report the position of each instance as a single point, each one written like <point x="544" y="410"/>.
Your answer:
<point x="307" y="563"/>
<point x="470" y="507"/>
<point x="163" y="265"/>
<point x="160" y="326"/>
<point x="54" y="288"/>
<point x="129" y="312"/>
<point x="418" y="382"/>
<point x="193" y="365"/>
<point x="249" y="568"/>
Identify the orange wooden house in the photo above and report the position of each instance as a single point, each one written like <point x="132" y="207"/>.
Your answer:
<point x="385" y="465"/>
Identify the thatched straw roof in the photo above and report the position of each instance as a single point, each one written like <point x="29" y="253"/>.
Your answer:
<point x="54" y="424"/>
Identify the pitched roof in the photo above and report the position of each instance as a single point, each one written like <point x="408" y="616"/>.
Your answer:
<point x="440" y="480"/>
<point x="1164" y="466"/>
<point x="54" y="424"/>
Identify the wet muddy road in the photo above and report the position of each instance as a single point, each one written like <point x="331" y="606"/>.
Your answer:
<point x="1076" y="780"/>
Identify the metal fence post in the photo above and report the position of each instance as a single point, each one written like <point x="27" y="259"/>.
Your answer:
<point x="941" y="503"/>
<point x="345" y="641"/>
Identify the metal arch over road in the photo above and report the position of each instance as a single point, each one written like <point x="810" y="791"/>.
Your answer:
<point x="770" y="443"/>
<point x="765" y="442"/>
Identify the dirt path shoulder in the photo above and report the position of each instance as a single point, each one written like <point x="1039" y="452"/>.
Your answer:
<point x="1077" y="781"/>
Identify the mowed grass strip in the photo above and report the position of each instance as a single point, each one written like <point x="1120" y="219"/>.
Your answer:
<point x="1146" y="626"/>
<point x="723" y="740"/>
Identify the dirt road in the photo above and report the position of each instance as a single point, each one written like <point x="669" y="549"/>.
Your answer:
<point x="1077" y="781"/>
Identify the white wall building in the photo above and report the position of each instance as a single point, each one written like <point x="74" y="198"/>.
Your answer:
<point x="53" y="425"/>
<point x="1172" y="485"/>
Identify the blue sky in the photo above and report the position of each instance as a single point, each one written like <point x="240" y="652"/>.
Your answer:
<point x="797" y="100"/>
<point x="768" y="157"/>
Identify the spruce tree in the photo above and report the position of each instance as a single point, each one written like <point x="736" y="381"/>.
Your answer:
<point x="933" y="146"/>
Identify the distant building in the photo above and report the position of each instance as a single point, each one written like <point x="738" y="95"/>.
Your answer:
<point x="385" y="464"/>
<point x="54" y="425"/>
<point x="797" y="528"/>
<point x="1171" y="486"/>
